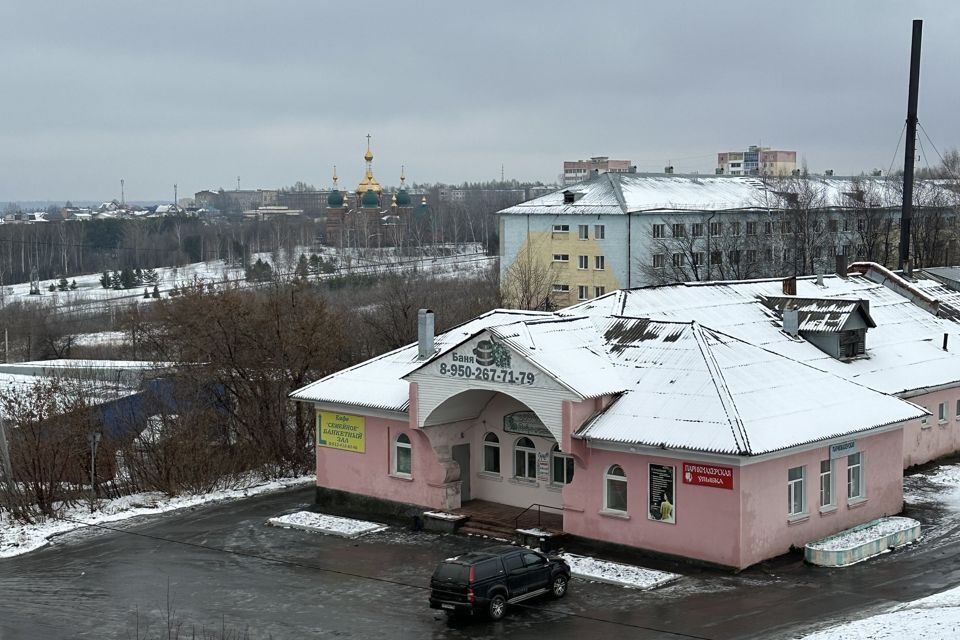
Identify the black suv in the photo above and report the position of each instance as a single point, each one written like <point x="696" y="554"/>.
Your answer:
<point x="487" y="581"/>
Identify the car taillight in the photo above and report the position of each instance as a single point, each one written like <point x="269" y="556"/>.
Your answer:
<point x="470" y="577"/>
<point x="470" y="596"/>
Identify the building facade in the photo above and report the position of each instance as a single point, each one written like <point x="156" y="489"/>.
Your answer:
<point x="663" y="435"/>
<point x="575" y="171"/>
<point x="757" y="161"/>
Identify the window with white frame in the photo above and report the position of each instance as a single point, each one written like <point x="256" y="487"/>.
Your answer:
<point x="599" y="291"/>
<point x="658" y="261"/>
<point x="599" y="263"/>
<point x="855" y="476"/>
<point x="583" y="231"/>
<point x="751" y="256"/>
<point x="561" y="466"/>
<point x="659" y="231"/>
<point x="561" y="228"/>
<point x="491" y="453"/>
<point x="560" y="288"/>
<point x="751" y="228"/>
<point x="583" y="262"/>
<point x="561" y="257"/>
<point x="679" y="230"/>
<point x="697" y="258"/>
<point x="942" y="414"/>
<point x="599" y="232"/>
<point x="582" y="292"/>
<point x="796" y="494"/>
<point x="924" y="420"/>
<point x="958" y="408"/>
<point x="525" y="459"/>
<point x="716" y="229"/>
<point x="402" y="458"/>
<point x="826" y="483"/>
<point x="679" y="259"/>
<point x="696" y="229"/>
<point x="615" y="489"/>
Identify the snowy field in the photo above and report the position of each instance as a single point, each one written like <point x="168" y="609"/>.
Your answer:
<point x="17" y="539"/>
<point x="323" y="523"/>
<point x="936" y="617"/>
<point x="624" y="575"/>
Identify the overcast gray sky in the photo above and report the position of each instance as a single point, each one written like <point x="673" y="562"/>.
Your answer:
<point x="199" y="92"/>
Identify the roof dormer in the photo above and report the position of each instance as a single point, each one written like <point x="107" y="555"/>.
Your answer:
<point x="836" y="326"/>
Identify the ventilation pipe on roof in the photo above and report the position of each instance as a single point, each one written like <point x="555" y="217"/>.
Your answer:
<point x="791" y="322"/>
<point x="425" y="333"/>
<point x="945" y="336"/>
<point x="790" y="286"/>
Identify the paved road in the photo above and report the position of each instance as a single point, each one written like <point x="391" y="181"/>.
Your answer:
<point x="107" y="584"/>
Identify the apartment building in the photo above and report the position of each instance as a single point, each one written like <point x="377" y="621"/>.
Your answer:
<point x="756" y="161"/>
<point x="575" y="171"/>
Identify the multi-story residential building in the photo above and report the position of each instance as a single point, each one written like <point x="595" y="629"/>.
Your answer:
<point x="757" y="161"/>
<point x="237" y="201"/>
<point x="575" y="171"/>
<point x="618" y="231"/>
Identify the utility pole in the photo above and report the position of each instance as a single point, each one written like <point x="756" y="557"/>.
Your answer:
<point x="93" y="438"/>
<point x="174" y="194"/>
<point x="910" y="150"/>
<point x="122" y="201"/>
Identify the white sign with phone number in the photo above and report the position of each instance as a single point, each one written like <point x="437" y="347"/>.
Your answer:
<point x="487" y="360"/>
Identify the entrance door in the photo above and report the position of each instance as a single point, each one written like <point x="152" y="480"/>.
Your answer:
<point x="461" y="455"/>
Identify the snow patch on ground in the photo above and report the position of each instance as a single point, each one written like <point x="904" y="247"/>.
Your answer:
<point x="442" y="515"/>
<point x="624" y="575"/>
<point x="932" y="618"/>
<point x="323" y="523"/>
<point x="541" y="533"/>
<point x="17" y="539"/>
<point x="861" y="535"/>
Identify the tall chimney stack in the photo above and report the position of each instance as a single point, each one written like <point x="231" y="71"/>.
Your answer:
<point x="910" y="148"/>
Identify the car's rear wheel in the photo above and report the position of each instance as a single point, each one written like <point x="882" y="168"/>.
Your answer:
<point x="559" y="587"/>
<point x="498" y="607"/>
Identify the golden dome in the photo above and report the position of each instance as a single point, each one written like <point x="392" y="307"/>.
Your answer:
<point x="368" y="156"/>
<point x="369" y="183"/>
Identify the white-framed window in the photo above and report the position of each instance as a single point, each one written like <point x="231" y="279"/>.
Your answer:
<point x="958" y="408"/>
<point x="924" y="420"/>
<point x="525" y="459"/>
<point x="697" y="258"/>
<point x="679" y="230"/>
<point x="735" y="228"/>
<point x="716" y="229"/>
<point x="599" y="232"/>
<point x="679" y="259"/>
<point x="861" y="225"/>
<point x="583" y="262"/>
<point x="855" y="475"/>
<point x="826" y="483"/>
<point x="599" y="263"/>
<point x="560" y="288"/>
<point x="561" y="257"/>
<point x="696" y="229"/>
<point x="659" y="231"/>
<point x="734" y="256"/>
<point x="561" y="467"/>
<point x="658" y="261"/>
<point x="561" y="228"/>
<point x="582" y="292"/>
<point x="942" y="413"/>
<point x="583" y="232"/>
<point x="796" y="492"/>
<point x="751" y="256"/>
<point x="716" y="257"/>
<point x="751" y="228"/>
<point x="491" y="453"/>
<point x="599" y="291"/>
<point x="615" y="489"/>
<point x="402" y="456"/>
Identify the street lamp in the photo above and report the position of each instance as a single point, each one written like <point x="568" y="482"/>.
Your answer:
<point x="93" y="439"/>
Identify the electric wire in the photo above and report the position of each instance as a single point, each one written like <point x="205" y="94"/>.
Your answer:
<point x="397" y="583"/>
<point x="943" y="162"/>
<point x="897" y="149"/>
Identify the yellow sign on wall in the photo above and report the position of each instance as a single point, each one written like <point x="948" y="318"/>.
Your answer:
<point x="341" y="431"/>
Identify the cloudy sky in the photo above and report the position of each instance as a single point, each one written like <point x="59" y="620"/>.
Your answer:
<point x="198" y="92"/>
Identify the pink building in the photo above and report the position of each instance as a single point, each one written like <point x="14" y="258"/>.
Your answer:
<point x="575" y="171"/>
<point x="664" y="435"/>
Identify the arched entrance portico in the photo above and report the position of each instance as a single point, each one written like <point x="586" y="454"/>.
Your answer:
<point x="497" y="448"/>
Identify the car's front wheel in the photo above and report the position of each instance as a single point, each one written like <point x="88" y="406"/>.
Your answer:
<point x="559" y="587"/>
<point x="498" y="607"/>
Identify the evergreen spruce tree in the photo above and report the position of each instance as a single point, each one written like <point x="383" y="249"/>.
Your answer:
<point x="105" y="280"/>
<point x="156" y="291"/>
<point x="146" y="293"/>
<point x="73" y="285"/>
<point x="115" y="281"/>
<point x="63" y="285"/>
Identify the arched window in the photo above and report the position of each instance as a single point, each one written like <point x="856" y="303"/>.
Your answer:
<point x="615" y="489"/>
<point x="491" y="453"/>
<point x="402" y="463"/>
<point x="525" y="459"/>
<point x="561" y="465"/>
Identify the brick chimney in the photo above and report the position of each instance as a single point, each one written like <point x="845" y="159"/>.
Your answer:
<point x="790" y="286"/>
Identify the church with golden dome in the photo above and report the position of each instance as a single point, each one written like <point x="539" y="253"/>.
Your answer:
<point x="364" y="218"/>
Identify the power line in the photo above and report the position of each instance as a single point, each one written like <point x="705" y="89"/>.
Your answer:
<point x="897" y="149"/>
<point x="359" y="576"/>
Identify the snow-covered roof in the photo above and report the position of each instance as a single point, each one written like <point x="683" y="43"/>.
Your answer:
<point x="378" y="383"/>
<point x="673" y="383"/>
<point x="828" y="315"/>
<point x="904" y="351"/>
<point x="621" y="193"/>
<point x="691" y="387"/>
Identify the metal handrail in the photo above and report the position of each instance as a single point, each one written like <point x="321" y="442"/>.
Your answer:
<point x="540" y="507"/>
